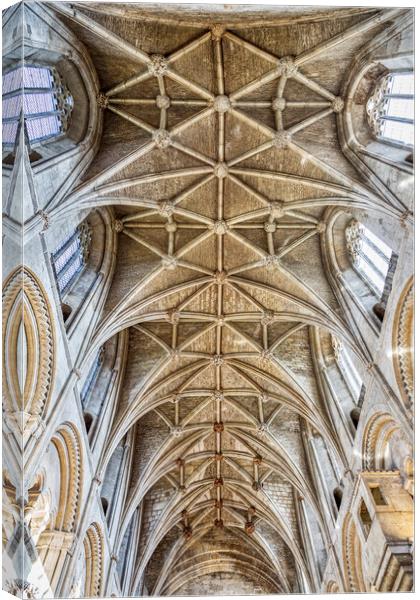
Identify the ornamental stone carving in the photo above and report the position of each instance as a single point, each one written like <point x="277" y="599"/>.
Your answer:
<point x="158" y="65"/>
<point x="26" y="316"/>
<point x="287" y="67"/>
<point x="161" y="138"/>
<point x="163" y="102"/>
<point x="221" y="104"/>
<point x="403" y="343"/>
<point x="221" y="170"/>
<point x="282" y="139"/>
<point x="337" y="104"/>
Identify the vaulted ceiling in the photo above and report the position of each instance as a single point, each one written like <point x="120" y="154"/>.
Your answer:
<point x="220" y="156"/>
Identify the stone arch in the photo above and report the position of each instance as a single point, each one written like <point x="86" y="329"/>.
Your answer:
<point x="332" y="587"/>
<point x="383" y="438"/>
<point x="352" y="553"/>
<point x="68" y="58"/>
<point x="97" y="274"/>
<point x="347" y="282"/>
<point x="93" y="550"/>
<point x="360" y="146"/>
<point x="67" y="444"/>
<point x="403" y="343"/>
<point x="28" y="337"/>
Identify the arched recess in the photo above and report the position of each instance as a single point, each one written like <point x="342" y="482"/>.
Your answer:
<point x="63" y="464"/>
<point x="94" y="280"/>
<point x="371" y="156"/>
<point x="350" y="288"/>
<point x="352" y="554"/>
<point x="332" y="587"/>
<point x="385" y="446"/>
<point x="93" y="554"/>
<point x="70" y="60"/>
<point x="403" y="343"/>
<point x="67" y="443"/>
<point x="29" y="353"/>
<point x="99" y="387"/>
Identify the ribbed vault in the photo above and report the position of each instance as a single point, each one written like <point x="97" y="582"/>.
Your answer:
<point x="228" y="159"/>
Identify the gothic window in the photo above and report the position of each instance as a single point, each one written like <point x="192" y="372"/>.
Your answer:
<point x="390" y="109"/>
<point x="71" y="257"/>
<point x="92" y="377"/>
<point x="41" y="96"/>
<point x="347" y="369"/>
<point x="370" y="257"/>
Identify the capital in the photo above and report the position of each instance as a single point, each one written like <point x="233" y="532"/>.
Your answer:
<point x="102" y="100"/>
<point x="118" y="225"/>
<point x="220" y="227"/>
<point x="221" y="104"/>
<point x="278" y="104"/>
<point x="161" y="138"/>
<point x="169" y="262"/>
<point x="217" y="360"/>
<point x="221" y="170"/>
<point x="163" y="101"/>
<point x="270" y="227"/>
<point x="267" y="318"/>
<point x="158" y="65"/>
<point x="220" y="277"/>
<point x="287" y="66"/>
<point x="166" y="208"/>
<point x="337" y="104"/>
<point x="217" y="31"/>
<point x="282" y="139"/>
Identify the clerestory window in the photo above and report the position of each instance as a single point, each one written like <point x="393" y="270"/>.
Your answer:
<point x="370" y="257"/>
<point x="348" y="370"/>
<point x="40" y="95"/>
<point x="71" y="258"/>
<point x="390" y="109"/>
<point x="92" y="377"/>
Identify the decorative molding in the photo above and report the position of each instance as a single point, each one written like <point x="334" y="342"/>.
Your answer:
<point x="403" y="343"/>
<point x="28" y="336"/>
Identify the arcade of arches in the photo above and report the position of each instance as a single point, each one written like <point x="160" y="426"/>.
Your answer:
<point x="208" y="344"/>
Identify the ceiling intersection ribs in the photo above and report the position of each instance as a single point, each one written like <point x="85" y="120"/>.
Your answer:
<point x="222" y="200"/>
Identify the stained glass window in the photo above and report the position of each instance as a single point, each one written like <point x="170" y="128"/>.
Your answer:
<point x="70" y="258"/>
<point x="39" y="94"/>
<point x="390" y="109"/>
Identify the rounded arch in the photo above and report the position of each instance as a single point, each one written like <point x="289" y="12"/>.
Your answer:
<point x="384" y="445"/>
<point x="332" y="587"/>
<point x="403" y="343"/>
<point x="93" y="546"/>
<point x="67" y="443"/>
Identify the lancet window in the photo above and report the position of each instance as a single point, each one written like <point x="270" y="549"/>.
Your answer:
<point x="390" y="109"/>
<point x="71" y="257"/>
<point x="39" y="94"/>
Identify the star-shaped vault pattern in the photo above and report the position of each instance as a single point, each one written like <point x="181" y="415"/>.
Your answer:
<point x="225" y="206"/>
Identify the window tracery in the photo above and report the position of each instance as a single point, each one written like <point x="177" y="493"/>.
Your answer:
<point x="369" y="256"/>
<point x="390" y="109"/>
<point x="41" y="96"/>
<point x="71" y="257"/>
